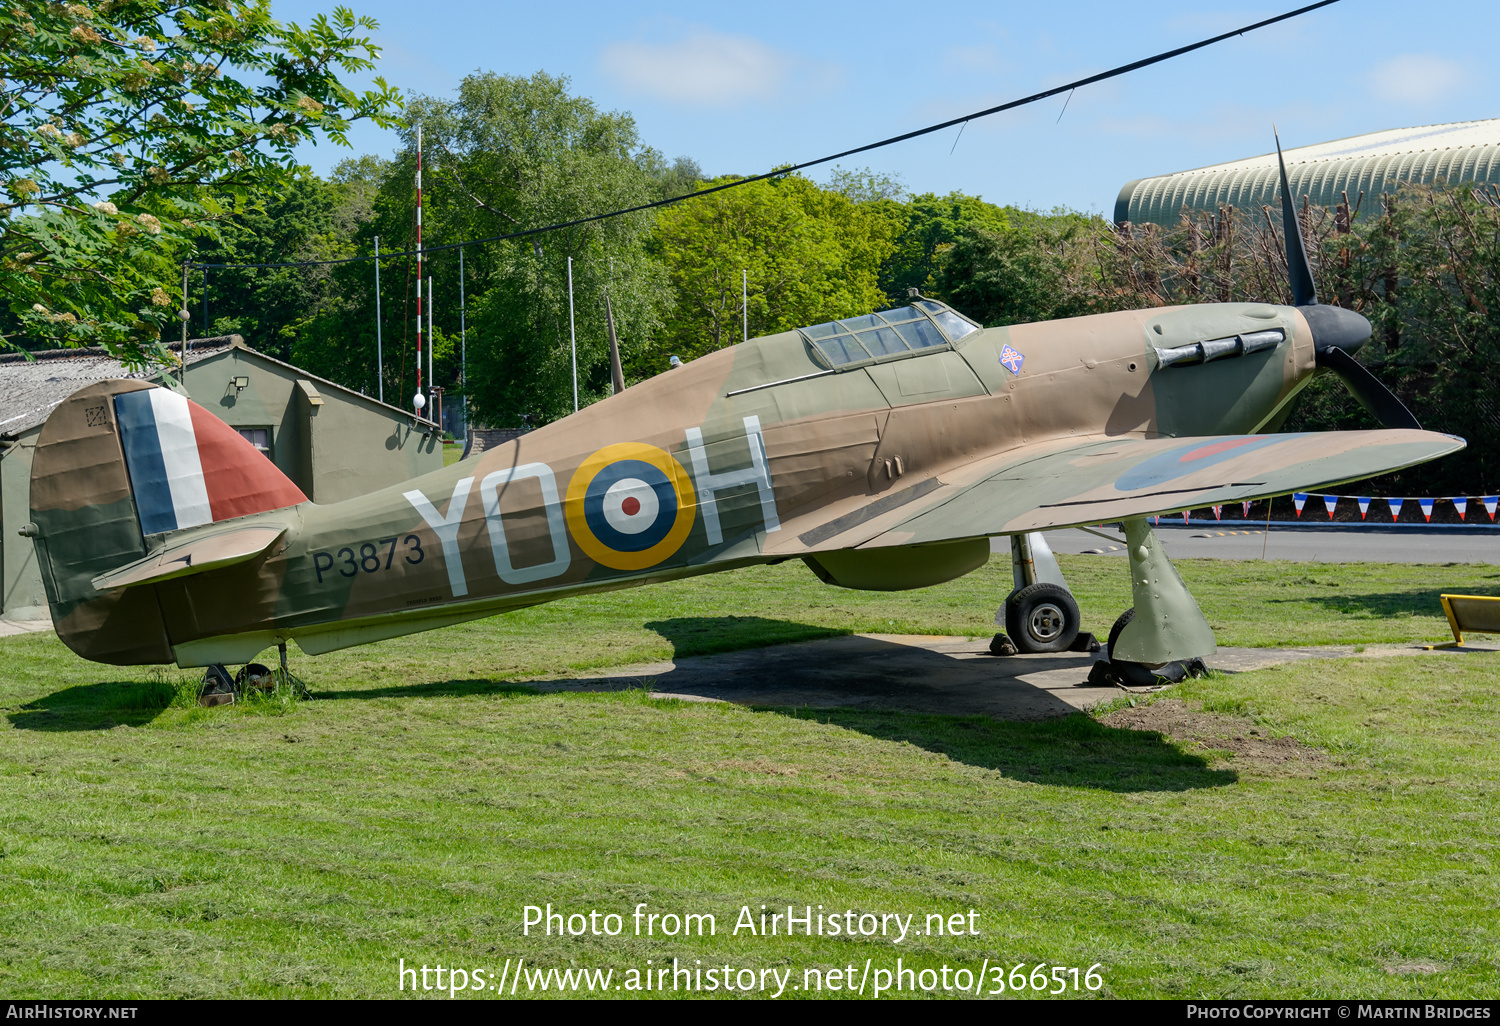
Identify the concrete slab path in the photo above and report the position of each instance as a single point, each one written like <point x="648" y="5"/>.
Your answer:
<point x="9" y="627"/>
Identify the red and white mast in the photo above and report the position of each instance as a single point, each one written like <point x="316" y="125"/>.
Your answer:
<point x="419" y="400"/>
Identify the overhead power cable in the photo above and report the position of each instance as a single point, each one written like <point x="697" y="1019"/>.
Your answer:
<point x="789" y="169"/>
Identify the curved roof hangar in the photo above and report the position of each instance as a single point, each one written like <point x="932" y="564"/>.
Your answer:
<point x="1466" y="151"/>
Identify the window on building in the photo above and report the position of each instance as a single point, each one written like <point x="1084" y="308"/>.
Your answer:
<point x="258" y="437"/>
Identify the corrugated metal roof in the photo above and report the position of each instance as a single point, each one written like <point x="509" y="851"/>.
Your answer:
<point x="30" y="388"/>
<point x="1467" y="151"/>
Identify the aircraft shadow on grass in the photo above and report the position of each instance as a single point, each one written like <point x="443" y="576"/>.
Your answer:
<point x="95" y="706"/>
<point x="1392" y="604"/>
<point x="975" y="710"/>
<point x="1071" y="751"/>
<point x="466" y="688"/>
<point x="972" y="710"/>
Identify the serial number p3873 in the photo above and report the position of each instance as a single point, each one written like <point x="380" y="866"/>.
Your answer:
<point x="370" y="558"/>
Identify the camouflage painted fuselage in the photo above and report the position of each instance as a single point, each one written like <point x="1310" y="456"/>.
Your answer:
<point x="889" y="474"/>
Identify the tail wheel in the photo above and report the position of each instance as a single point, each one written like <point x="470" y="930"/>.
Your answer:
<point x="1042" y="617"/>
<point x="254" y="675"/>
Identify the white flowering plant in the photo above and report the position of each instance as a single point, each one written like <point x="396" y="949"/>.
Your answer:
<point x="128" y="126"/>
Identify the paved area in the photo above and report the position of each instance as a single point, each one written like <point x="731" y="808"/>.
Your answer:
<point x="1376" y="543"/>
<point x="918" y="673"/>
<point x="9" y="627"/>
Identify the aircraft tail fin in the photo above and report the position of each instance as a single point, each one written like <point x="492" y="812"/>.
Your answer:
<point x="121" y="467"/>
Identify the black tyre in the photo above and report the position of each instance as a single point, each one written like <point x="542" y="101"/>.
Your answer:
<point x="1114" y="632"/>
<point x="1042" y="617"/>
<point x="253" y="675"/>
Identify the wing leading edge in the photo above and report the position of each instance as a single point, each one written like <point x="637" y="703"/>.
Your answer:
<point x="1108" y="479"/>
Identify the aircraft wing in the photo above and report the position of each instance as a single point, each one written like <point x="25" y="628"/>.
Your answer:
<point x="1095" y="480"/>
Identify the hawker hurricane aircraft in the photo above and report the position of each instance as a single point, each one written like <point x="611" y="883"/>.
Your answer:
<point x="885" y="451"/>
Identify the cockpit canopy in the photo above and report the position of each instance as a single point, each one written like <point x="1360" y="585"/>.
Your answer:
<point x="924" y="326"/>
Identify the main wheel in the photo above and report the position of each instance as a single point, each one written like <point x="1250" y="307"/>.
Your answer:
<point x="1042" y="617"/>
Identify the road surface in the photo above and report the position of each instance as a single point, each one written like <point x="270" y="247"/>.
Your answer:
<point x="1373" y="544"/>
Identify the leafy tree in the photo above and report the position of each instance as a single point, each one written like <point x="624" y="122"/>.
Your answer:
<point x="1426" y="271"/>
<point x="812" y="254"/>
<point x="865" y="186"/>
<point x="1423" y="266"/>
<point x="508" y="154"/>
<point x="931" y="225"/>
<point x="1027" y="271"/>
<point x="334" y="335"/>
<point x="678" y="178"/>
<point x="268" y="304"/>
<point x="132" y="126"/>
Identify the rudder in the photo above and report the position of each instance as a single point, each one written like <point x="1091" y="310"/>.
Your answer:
<point x="119" y="467"/>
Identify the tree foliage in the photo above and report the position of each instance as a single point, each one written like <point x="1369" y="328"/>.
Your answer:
<point x="931" y="227"/>
<point x="811" y="254"/>
<point x="1016" y="272"/>
<point x="133" y="139"/>
<point x="133" y="126"/>
<point x="508" y="154"/>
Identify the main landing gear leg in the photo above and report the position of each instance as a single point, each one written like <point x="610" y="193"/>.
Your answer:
<point x="1040" y="614"/>
<point x="1164" y="637"/>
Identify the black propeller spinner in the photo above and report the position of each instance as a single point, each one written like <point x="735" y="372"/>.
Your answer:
<point x="1337" y="333"/>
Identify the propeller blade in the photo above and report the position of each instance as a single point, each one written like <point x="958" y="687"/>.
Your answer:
<point x="1367" y="388"/>
<point x="1304" y="292"/>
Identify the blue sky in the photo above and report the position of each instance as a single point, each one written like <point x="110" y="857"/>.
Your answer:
<point x="741" y="88"/>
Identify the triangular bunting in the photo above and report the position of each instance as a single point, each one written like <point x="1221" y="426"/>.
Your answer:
<point x="1330" y="502"/>
<point x="1462" y="505"/>
<point x="1395" y="505"/>
<point x="1490" y="502"/>
<point x="1218" y="512"/>
<point x="1298" y="499"/>
<point x="1426" y="505"/>
<point x="1185" y="515"/>
<point x="1364" y="505"/>
<point x="1245" y="507"/>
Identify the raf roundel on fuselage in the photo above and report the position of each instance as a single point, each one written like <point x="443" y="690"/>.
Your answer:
<point x="630" y="506"/>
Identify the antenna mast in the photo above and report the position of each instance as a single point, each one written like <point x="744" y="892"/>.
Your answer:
<point x="419" y="400"/>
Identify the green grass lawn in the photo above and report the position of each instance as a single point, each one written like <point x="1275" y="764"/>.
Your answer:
<point x="1328" y="829"/>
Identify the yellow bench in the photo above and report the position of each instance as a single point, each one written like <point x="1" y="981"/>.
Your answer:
<point x="1477" y="614"/>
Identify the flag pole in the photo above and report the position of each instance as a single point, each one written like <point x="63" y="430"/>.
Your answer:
<point x="573" y="334"/>
<point x="379" y="354"/>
